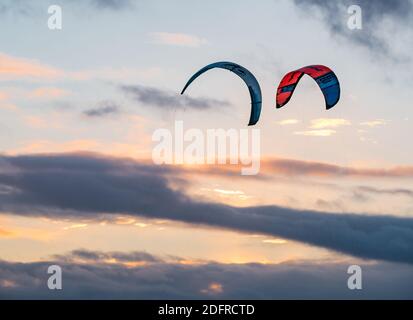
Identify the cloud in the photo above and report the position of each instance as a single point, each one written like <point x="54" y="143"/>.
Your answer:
<point x="291" y="167"/>
<point x="104" y="109"/>
<point x="20" y="7"/>
<point x="40" y="146"/>
<point x="323" y="123"/>
<point x="161" y="279"/>
<point x="322" y="127"/>
<point x="275" y="241"/>
<point x="373" y="123"/>
<point x="16" y="68"/>
<point x="316" y="133"/>
<point x="111" y="4"/>
<point x="3" y="96"/>
<point x="6" y="233"/>
<point x="76" y="226"/>
<point x="213" y="288"/>
<point x="48" y="92"/>
<point x="89" y="256"/>
<point x="88" y="186"/>
<point x="12" y="68"/>
<point x="375" y="15"/>
<point x="392" y="192"/>
<point x="26" y="8"/>
<point x="167" y="100"/>
<point x="177" y="39"/>
<point x="288" y="122"/>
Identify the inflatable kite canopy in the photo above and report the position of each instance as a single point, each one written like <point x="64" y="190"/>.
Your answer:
<point x="246" y="76"/>
<point x="325" y="78"/>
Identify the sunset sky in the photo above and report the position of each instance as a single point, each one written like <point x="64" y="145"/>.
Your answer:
<point x="78" y="186"/>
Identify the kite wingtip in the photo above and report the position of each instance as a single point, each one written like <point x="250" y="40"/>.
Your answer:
<point x="184" y="89"/>
<point x="328" y="107"/>
<point x="252" y="122"/>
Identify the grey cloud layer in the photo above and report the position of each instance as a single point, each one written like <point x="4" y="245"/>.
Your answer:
<point x="26" y="7"/>
<point x="87" y="186"/>
<point x="112" y="4"/>
<point x="103" y="109"/>
<point x="311" y="168"/>
<point x="168" y="100"/>
<point x="101" y="257"/>
<point x="292" y="167"/>
<point x="335" y="17"/>
<point x="392" y="192"/>
<point x="162" y="279"/>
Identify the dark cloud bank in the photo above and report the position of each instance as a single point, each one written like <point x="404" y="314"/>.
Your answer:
<point x="159" y="279"/>
<point x="28" y="8"/>
<point x="374" y="14"/>
<point x="88" y="186"/>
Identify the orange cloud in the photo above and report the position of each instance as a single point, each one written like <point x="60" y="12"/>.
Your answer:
<point x="45" y="146"/>
<point x="313" y="168"/>
<point x="13" y="67"/>
<point x="6" y="233"/>
<point x="213" y="288"/>
<point x="292" y="167"/>
<point x="41" y="122"/>
<point x="7" y="283"/>
<point x="177" y="39"/>
<point x="3" y="96"/>
<point x="47" y="92"/>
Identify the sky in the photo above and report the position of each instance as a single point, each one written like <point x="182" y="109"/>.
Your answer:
<point x="79" y="187"/>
